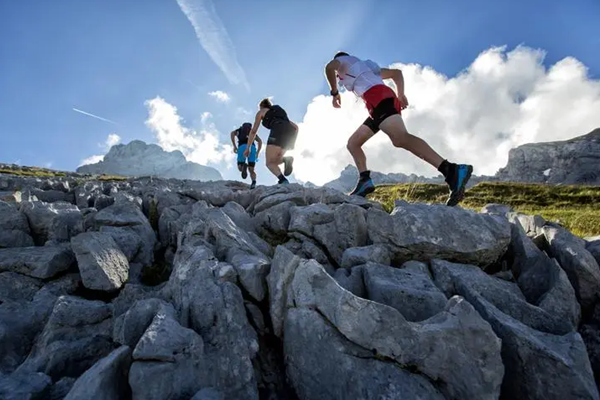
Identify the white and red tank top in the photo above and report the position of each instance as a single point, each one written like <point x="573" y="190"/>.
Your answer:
<point x="358" y="75"/>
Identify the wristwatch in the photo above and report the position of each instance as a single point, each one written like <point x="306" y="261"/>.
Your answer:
<point x="334" y="92"/>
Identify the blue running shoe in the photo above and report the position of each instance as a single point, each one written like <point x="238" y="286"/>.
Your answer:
<point x="458" y="183"/>
<point x="363" y="188"/>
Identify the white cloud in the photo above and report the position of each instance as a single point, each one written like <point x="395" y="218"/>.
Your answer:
<point x="201" y="147"/>
<point x="220" y="96"/>
<point x="91" y="160"/>
<point x="213" y="37"/>
<point x="205" y="116"/>
<point x="502" y="100"/>
<point x="112" y="140"/>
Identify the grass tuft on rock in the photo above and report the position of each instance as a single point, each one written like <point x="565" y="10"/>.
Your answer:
<point x="576" y="207"/>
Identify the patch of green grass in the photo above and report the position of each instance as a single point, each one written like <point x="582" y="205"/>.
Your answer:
<point x="577" y="208"/>
<point x="35" y="172"/>
<point x="112" y="178"/>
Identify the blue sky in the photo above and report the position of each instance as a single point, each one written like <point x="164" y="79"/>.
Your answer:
<point x="109" y="57"/>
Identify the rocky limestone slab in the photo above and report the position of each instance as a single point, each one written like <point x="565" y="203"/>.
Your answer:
<point x="469" y="281"/>
<point x="539" y="365"/>
<point x="41" y="216"/>
<point x="409" y="290"/>
<point x="323" y="364"/>
<point x="102" y="264"/>
<point x="280" y="276"/>
<point x="581" y="267"/>
<point x="422" y="232"/>
<point x="353" y="280"/>
<point x="130" y="326"/>
<point x="467" y="366"/>
<point x="106" y="380"/>
<point x="15" y="287"/>
<point x="21" y="386"/>
<point x="76" y="336"/>
<point x="37" y="262"/>
<point x="14" y="227"/>
<point x="361" y="255"/>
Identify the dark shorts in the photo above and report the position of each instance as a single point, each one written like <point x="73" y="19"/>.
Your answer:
<point x="381" y="103"/>
<point x="282" y="135"/>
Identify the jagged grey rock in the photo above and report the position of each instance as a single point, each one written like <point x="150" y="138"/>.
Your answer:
<point x="129" y="327"/>
<point x="274" y="221"/>
<point x="208" y="394"/>
<point x="316" y="353"/>
<point x="15" y="287"/>
<point x="41" y="216"/>
<point x="38" y="262"/>
<point x="469" y="281"/>
<point x="14" y="227"/>
<point x="349" y="229"/>
<point x="105" y="380"/>
<point x="539" y="365"/>
<point x="240" y="216"/>
<point x="581" y="267"/>
<point x="61" y="389"/>
<point x="593" y="246"/>
<point x="469" y="366"/>
<point x="361" y="255"/>
<point x="215" y="308"/>
<point x="304" y="219"/>
<point x="560" y="299"/>
<point x="409" y="290"/>
<point x="171" y="222"/>
<point x="353" y="280"/>
<point x="25" y="386"/>
<point x="498" y="209"/>
<point x="130" y="218"/>
<point x="131" y="293"/>
<point x="102" y="201"/>
<point x="280" y="277"/>
<point x="102" y="264"/>
<point x="422" y="232"/>
<point x="76" y="336"/>
<point x="532" y="224"/>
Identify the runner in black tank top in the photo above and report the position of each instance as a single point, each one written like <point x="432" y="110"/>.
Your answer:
<point x="281" y="139"/>
<point x="245" y="163"/>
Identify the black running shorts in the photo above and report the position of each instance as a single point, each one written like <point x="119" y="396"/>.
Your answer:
<point x="282" y="135"/>
<point x="386" y="108"/>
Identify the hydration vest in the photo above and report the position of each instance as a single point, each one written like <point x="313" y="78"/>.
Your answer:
<point x="275" y="114"/>
<point x="358" y="75"/>
<point x="243" y="132"/>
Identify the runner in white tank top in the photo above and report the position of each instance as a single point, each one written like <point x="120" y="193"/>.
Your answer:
<point x="365" y="79"/>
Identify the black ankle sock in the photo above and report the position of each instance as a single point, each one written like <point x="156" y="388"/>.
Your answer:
<point x="281" y="178"/>
<point x="365" y="175"/>
<point x="447" y="168"/>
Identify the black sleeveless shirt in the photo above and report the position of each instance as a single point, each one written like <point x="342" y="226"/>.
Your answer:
<point x="274" y="115"/>
<point x="243" y="132"/>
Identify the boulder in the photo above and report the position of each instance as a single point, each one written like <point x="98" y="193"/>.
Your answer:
<point x="102" y="264"/>
<point x="323" y="364"/>
<point x="25" y="386"/>
<point x="581" y="267"/>
<point x="14" y="227"/>
<point x="37" y="262"/>
<point x="469" y="366"/>
<point x="409" y="290"/>
<point x="41" y="218"/>
<point x="353" y="280"/>
<point x="469" y="281"/>
<point x="280" y="276"/>
<point x="15" y="287"/>
<point x="422" y="232"/>
<point x="361" y="255"/>
<point x="107" y="379"/>
<point x="76" y="336"/>
<point x="129" y="327"/>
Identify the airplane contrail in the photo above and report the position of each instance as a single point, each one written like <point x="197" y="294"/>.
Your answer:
<point x="94" y="116"/>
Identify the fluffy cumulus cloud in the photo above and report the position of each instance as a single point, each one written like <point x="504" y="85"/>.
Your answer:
<point x="220" y="96"/>
<point x="111" y="140"/>
<point x="502" y="100"/>
<point x="202" y="147"/>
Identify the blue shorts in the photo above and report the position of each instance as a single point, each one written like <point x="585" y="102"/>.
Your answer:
<point x="251" y="157"/>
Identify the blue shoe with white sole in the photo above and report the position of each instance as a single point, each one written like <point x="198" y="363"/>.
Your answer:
<point x="363" y="188"/>
<point x="458" y="183"/>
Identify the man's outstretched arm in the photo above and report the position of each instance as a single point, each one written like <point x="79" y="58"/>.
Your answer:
<point x="233" y="135"/>
<point x="396" y="76"/>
